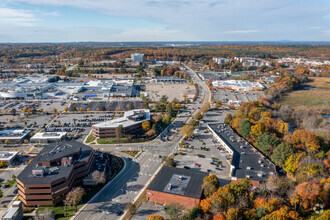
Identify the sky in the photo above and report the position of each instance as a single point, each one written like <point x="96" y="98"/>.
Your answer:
<point x="24" y="21"/>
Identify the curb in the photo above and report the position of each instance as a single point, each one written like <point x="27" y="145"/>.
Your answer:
<point x="82" y="208"/>
<point x="144" y="188"/>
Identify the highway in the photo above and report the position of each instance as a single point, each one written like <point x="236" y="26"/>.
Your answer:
<point x="130" y="182"/>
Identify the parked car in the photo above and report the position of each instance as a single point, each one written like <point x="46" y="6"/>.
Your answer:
<point x="186" y="167"/>
<point x="197" y="164"/>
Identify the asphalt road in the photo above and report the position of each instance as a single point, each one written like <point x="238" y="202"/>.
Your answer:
<point x="137" y="173"/>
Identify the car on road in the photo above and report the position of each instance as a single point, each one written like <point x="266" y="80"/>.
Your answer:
<point x="119" y="213"/>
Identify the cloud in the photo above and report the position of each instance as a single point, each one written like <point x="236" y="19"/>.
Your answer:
<point x="17" y="17"/>
<point x="242" y="31"/>
<point x="206" y="19"/>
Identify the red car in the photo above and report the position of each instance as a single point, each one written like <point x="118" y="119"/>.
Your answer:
<point x="189" y="139"/>
<point x="197" y="164"/>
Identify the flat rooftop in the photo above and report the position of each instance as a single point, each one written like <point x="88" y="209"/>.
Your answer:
<point x="247" y="160"/>
<point x="7" y="155"/>
<point x="179" y="181"/>
<point x="126" y="120"/>
<point x="236" y="83"/>
<point x="48" y="135"/>
<point x="50" y="152"/>
<point x="13" y="133"/>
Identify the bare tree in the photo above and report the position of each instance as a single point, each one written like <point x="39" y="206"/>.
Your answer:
<point x="99" y="177"/>
<point x="74" y="197"/>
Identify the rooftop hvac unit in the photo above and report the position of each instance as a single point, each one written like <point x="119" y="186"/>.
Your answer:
<point x="248" y="168"/>
<point x="247" y="176"/>
<point x="260" y="174"/>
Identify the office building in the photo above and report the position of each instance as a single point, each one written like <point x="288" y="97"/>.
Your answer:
<point x="137" y="57"/>
<point x="54" y="172"/>
<point x="131" y="122"/>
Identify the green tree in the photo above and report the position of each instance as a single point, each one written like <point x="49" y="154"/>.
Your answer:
<point x="267" y="142"/>
<point x="13" y="111"/>
<point x="245" y="128"/>
<point x="163" y="99"/>
<point x="169" y="109"/>
<point x="174" y="211"/>
<point x="282" y="153"/>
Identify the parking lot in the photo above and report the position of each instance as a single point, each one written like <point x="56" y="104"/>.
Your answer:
<point x="225" y="96"/>
<point x="73" y="123"/>
<point x="172" y="91"/>
<point x="108" y="106"/>
<point x="19" y="105"/>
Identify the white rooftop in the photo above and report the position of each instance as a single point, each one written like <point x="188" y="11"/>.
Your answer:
<point x="125" y="121"/>
<point x="48" y="135"/>
<point x="7" y="155"/>
<point x="236" y="83"/>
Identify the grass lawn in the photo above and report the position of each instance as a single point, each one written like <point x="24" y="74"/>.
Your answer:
<point x="132" y="153"/>
<point x="59" y="211"/>
<point x="311" y="97"/>
<point x="111" y="140"/>
<point x="90" y="138"/>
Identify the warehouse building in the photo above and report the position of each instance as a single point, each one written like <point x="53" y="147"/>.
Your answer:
<point x="246" y="161"/>
<point x="238" y="85"/>
<point x="177" y="185"/>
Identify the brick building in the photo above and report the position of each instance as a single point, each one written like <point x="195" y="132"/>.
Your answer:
<point x="177" y="185"/>
<point x="54" y="172"/>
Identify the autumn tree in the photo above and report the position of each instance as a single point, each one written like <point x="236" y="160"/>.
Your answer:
<point x="166" y="119"/>
<point x="198" y="116"/>
<point x="218" y="104"/>
<point x="210" y="185"/>
<point x="187" y="130"/>
<point x="146" y="125"/>
<point x="257" y="130"/>
<point x="155" y="217"/>
<point x="74" y="197"/>
<point x="305" y="140"/>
